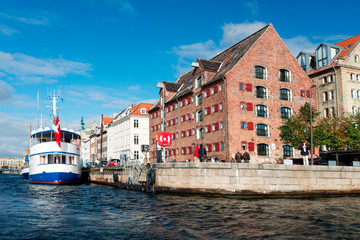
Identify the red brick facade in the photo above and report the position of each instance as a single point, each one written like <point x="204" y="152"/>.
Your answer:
<point x="232" y="102"/>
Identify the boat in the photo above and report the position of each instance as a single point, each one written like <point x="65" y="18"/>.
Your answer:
<point x="55" y="153"/>
<point x="24" y="171"/>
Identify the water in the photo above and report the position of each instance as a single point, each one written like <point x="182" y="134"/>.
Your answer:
<point x="29" y="211"/>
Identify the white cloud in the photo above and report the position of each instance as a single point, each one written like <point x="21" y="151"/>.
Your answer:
<point x="5" y="91"/>
<point x="233" y="33"/>
<point x="14" y="135"/>
<point x="253" y="6"/>
<point x="27" y="20"/>
<point x="300" y="43"/>
<point x="135" y="87"/>
<point x="332" y="38"/>
<point x="34" y="70"/>
<point x="7" y="30"/>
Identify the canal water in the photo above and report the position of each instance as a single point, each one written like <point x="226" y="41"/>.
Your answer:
<point x="88" y="211"/>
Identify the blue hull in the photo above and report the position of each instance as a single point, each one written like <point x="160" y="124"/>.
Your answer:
<point x="25" y="175"/>
<point x="55" y="178"/>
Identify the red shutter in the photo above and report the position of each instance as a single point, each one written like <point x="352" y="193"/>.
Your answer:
<point x="249" y="106"/>
<point x="216" y="89"/>
<point x="216" y="107"/>
<point x="251" y="146"/>
<point x="217" y="146"/>
<point x="189" y="100"/>
<point x="208" y="92"/>
<point x="184" y="150"/>
<point x="173" y="106"/>
<point x="209" y="147"/>
<point x="248" y="87"/>
<point x="190" y="150"/>
<point x="209" y="128"/>
<point x="217" y="126"/>
<point x="250" y="125"/>
<point x="308" y="93"/>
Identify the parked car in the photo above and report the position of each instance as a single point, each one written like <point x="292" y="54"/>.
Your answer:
<point x="113" y="162"/>
<point x="103" y="163"/>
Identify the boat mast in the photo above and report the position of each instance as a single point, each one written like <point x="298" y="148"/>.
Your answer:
<point x="54" y="98"/>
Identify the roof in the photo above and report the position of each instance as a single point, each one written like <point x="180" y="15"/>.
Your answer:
<point x="107" y="120"/>
<point x="136" y="110"/>
<point x="221" y="64"/>
<point x="347" y="45"/>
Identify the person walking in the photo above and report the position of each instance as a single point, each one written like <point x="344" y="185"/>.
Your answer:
<point x="304" y="152"/>
<point x="238" y="157"/>
<point x="246" y="157"/>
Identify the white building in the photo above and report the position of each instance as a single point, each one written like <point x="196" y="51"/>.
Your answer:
<point x="127" y="132"/>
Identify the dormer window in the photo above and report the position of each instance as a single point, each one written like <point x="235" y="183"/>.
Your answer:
<point x="325" y="54"/>
<point x="198" y="82"/>
<point x="143" y="111"/>
<point x="260" y="72"/>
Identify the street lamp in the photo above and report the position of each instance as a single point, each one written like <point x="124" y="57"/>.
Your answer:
<point x="311" y="128"/>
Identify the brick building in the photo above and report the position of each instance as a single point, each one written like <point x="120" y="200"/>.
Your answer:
<point x="234" y="101"/>
<point x="335" y="69"/>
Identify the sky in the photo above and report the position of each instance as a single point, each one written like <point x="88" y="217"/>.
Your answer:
<point x="108" y="54"/>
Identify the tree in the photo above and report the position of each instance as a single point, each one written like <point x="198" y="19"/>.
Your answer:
<point x="297" y="128"/>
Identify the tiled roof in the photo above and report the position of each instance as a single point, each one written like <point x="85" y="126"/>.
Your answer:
<point x="107" y="120"/>
<point x="136" y="110"/>
<point x="172" y="87"/>
<point x="347" y="45"/>
<point x="208" y="64"/>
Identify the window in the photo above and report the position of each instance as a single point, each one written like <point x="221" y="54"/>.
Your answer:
<point x="221" y="125"/>
<point x="242" y="86"/>
<point x="212" y="91"/>
<point x="353" y="93"/>
<point x="260" y="72"/>
<point x="243" y="125"/>
<point x="136" y="139"/>
<point x="198" y="99"/>
<point x="206" y="111"/>
<point x="136" y="123"/>
<point x="242" y="105"/>
<point x="284" y="75"/>
<point x="358" y="77"/>
<point x="260" y="92"/>
<point x="262" y="130"/>
<point x="193" y="131"/>
<point x="199" y="133"/>
<point x="324" y="80"/>
<point x="352" y="76"/>
<point x="222" y="145"/>
<point x="285" y="112"/>
<point x="213" y="127"/>
<point x="136" y="155"/>
<point x="198" y="82"/>
<point x="285" y="94"/>
<point x="325" y="96"/>
<point x="287" y="151"/>
<point x="326" y="113"/>
<point x="322" y="56"/>
<point x="243" y="145"/>
<point x="354" y="110"/>
<point x="331" y="95"/>
<point x="356" y="58"/>
<point x="262" y="149"/>
<point x="220" y="87"/>
<point x="261" y="110"/>
<point x="143" y="111"/>
<point x="330" y="78"/>
<point x="220" y="106"/>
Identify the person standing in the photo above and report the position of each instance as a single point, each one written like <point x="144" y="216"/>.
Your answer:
<point x="304" y="152"/>
<point x="197" y="155"/>
<point x="246" y="157"/>
<point x="238" y="157"/>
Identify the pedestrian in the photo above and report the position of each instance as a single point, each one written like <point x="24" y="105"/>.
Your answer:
<point x="197" y="154"/>
<point x="304" y="152"/>
<point x="238" y="156"/>
<point x="202" y="153"/>
<point x="246" y="157"/>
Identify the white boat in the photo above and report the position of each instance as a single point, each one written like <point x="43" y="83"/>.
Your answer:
<point x="54" y="160"/>
<point x="24" y="172"/>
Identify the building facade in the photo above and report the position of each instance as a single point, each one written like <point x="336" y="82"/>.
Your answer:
<point x="234" y="102"/>
<point x="127" y="132"/>
<point x="335" y="70"/>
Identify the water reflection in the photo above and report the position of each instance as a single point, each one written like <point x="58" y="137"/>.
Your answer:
<point x="97" y="212"/>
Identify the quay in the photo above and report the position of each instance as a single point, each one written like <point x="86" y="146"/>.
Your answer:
<point x="232" y="179"/>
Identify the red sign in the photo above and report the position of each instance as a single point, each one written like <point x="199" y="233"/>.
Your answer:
<point x="164" y="139"/>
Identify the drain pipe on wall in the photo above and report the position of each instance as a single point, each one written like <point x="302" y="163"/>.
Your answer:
<point x="226" y="122"/>
<point x="336" y="87"/>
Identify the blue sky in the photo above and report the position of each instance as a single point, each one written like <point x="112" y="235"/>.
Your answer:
<point x="107" y="54"/>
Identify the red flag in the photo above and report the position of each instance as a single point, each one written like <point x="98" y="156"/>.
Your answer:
<point x="57" y="131"/>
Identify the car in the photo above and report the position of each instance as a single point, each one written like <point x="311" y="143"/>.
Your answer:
<point x="113" y="163"/>
<point x="103" y="163"/>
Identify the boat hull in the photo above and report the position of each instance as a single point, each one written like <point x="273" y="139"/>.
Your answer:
<point x="56" y="178"/>
<point x="25" y="173"/>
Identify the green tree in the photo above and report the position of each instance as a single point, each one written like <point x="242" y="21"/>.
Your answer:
<point x="297" y="128"/>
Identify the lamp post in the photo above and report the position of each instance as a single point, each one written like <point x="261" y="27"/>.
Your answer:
<point x="311" y="128"/>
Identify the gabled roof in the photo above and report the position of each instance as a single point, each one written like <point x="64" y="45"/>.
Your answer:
<point x="347" y="46"/>
<point x="172" y="87"/>
<point x="136" y="110"/>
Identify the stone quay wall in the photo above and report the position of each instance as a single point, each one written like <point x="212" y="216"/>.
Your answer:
<point x="256" y="179"/>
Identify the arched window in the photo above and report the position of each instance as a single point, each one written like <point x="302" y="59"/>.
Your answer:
<point x="262" y="130"/>
<point x="284" y="75"/>
<point x="198" y="99"/>
<point x="288" y="151"/>
<point x="261" y="110"/>
<point x="198" y="82"/>
<point x="261" y="92"/>
<point x="199" y="116"/>
<point x="263" y="149"/>
<point x="285" y="112"/>
<point x="285" y="94"/>
<point x="260" y="72"/>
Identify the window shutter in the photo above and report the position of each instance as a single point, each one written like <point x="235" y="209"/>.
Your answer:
<point x="248" y="87"/>
<point x="251" y="146"/>
<point x="308" y="93"/>
<point x="209" y="128"/>
<point x="208" y="92"/>
<point x="184" y="150"/>
<point x="209" y="147"/>
<point x="217" y="126"/>
<point x="190" y="150"/>
<point x="189" y="100"/>
<point x="216" y="89"/>
<point x="209" y="110"/>
<point x="217" y="145"/>
<point x="216" y="107"/>
<point x="189" y="132"/>
<point x="250" y="125"/>
<point x="249" y="106"/>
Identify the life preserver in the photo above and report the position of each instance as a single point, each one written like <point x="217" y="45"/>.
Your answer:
<point x="151" y="177"/>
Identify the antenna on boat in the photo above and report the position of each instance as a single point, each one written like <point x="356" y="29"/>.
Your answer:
<point x="37" y="106"/>
<point x="54" y="99"/>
